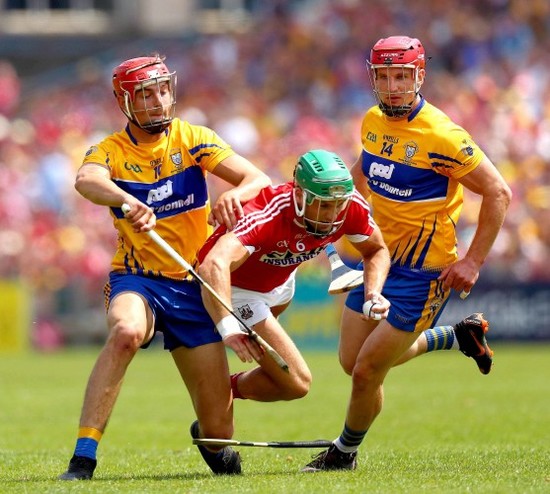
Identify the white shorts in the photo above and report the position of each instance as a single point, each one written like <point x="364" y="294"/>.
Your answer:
<point x="253" y="307"/>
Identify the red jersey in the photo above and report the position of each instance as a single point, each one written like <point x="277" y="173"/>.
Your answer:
<point x="279" y="242"/>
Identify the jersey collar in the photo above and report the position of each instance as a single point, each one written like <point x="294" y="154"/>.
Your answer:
<point x="419" y="107"/>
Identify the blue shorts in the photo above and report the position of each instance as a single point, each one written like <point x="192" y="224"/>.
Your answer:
<point x="176" y="304"/>
<point x="417" y="300"/>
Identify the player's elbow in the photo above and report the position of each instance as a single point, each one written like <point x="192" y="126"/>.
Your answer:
<point x="505" y="194"/>
<point x="79" y="183"/>
<point x="499" y="193"/>
<point x="84" y="185"/>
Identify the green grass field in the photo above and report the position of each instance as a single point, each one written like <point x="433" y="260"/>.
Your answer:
<point x="444" y="428"/>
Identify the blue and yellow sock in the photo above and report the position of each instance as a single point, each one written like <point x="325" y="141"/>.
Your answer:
<point x="87" y="442"/>
<point x="440" y="338"/>
<point x="350" y="440"/>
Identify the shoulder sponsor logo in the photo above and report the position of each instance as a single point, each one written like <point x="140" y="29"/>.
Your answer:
<point x="467" y="148"/>
<point x="93" y="149"/>
<point x="371" y="136"/>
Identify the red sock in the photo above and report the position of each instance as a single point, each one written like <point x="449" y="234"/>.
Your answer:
<point x="236" y="393"/>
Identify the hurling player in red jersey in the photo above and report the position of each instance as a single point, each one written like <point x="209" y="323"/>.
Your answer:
<point x="254" y="265"/>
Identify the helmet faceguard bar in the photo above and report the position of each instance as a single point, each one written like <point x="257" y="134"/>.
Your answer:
<point x="322" y="189"/>
<point x="151" y="124"/>
<point x="325" y="216"/>
<point x="133" y="79"/>
<point x="336" y="192"/>
<point x="384" y="93"/>
<point x="391" y="54"/>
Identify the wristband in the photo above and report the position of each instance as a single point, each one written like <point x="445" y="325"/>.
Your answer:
<point x="228" y="326"/>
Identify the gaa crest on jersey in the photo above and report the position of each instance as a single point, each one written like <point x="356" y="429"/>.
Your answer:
<point x="411" y="148"/>
<point x="245" y="311"/>
<point x="176" y="158"/>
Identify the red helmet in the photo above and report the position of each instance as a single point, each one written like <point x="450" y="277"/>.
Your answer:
<point x="136" y="74"/>
<point x="398" y="50"/>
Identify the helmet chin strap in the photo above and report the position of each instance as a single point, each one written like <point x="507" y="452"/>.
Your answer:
<point x="153" y="129"/>
<point x="309" y="228"/>
<point x="395" y="111"/>
<point x="157" y="128"/>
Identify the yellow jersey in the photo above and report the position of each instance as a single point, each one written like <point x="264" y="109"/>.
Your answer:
<point x="412" y="166"/>
<point x="169" y="176"/>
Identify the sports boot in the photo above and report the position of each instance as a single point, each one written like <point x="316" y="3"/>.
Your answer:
<point x="332" y="459"/>
<point x="224" y="462"/>
<point x="80" y="468"/>
<point x="470" y="334"/>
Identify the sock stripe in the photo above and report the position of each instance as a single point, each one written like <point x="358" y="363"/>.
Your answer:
<point x="439" y="338"/>
<point x="90" y="432"/>
<point x="86" y="446"/>
<point x="350" y="438"/>
<point x="87" y="442"/>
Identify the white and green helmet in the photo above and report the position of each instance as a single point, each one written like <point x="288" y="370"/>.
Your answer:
<point x="324" y="176"/>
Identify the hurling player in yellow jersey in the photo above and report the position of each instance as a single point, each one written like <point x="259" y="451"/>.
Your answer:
<point x="158" y="166"/>
<point x="413" y="167"/>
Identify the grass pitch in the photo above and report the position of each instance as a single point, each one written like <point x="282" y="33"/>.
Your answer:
<point x="444" y="428"/>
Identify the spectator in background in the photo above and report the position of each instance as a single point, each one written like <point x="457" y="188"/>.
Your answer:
<point x="491" y="56"/>
<point x="10" y="88"/>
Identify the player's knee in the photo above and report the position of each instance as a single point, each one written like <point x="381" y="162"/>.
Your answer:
<point x="299" y="387"/>
<point x="126" y="337"/>
<point x="347" y="364"/>
<point x="365" y="375"/>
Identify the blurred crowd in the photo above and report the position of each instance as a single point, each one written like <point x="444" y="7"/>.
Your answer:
<point x="294" y="80"/>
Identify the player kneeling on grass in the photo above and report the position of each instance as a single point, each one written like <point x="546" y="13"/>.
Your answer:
<point x="254" y="266"/>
